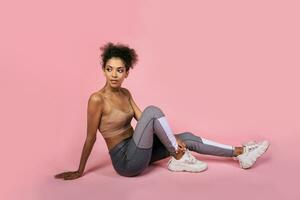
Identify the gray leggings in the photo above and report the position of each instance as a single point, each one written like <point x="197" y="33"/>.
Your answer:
<point x="150" y="143"/>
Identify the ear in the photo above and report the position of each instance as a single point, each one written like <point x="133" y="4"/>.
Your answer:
<point x="127" y="73"/>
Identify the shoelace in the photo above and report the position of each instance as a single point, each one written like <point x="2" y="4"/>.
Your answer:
<point x="251" y="147"/>
<point x="249" y="143"/>
<point x="191" y="158"/>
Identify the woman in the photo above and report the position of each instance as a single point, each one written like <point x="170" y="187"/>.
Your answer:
<point x="111" y="109"/>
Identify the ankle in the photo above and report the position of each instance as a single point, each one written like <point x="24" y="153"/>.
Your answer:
<point x="238" y="151"/>
<point x="178" y="155"/>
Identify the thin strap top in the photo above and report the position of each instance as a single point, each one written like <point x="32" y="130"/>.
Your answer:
<point x="116" y="122"/>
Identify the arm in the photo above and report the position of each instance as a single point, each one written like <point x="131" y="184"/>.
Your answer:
<point x="94" y="111"/>
<point x="137" y="111"/>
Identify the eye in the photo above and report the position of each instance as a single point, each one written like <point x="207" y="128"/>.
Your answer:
<point x="121" y="70"/>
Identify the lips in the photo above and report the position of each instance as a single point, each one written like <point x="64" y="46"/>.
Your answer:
<point x="113" y="81"/>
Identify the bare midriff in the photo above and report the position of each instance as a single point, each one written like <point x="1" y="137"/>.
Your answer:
<point x="111" y="142"/>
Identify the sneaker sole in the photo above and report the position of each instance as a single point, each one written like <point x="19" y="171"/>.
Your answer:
<point x="180" y="168"/>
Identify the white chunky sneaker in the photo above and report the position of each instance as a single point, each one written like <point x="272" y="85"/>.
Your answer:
<point x="249" y="143"/>
<point x="186" y="163"/>
<point x="252" y="142"/>
<point x="252" y="151"/>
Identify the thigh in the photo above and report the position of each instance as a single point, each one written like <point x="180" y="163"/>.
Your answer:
<point x="128" y="159"/>
<point x="138" y="159"/>
<point x="140" y="145"/>
<point x="144" y="129"/>
<point x="139" y="148"/>
<point x="143" y="132"/>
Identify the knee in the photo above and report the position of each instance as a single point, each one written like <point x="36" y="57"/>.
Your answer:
<point x="153" y="107"/>
<point x="155" y="110"/>
<point x="185" y="135"/>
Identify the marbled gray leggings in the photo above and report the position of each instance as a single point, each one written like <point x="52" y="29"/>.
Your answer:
<point x="151" y="143"/>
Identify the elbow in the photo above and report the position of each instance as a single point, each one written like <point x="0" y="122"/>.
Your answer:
<point x="91" y="140"/>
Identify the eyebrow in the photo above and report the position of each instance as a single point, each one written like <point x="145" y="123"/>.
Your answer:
<point x="117" y="67"/>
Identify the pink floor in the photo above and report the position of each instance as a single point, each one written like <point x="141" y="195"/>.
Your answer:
<point x="274" y="176"/>
<point x="226" y="70"/>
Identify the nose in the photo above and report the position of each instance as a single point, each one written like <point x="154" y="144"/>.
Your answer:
<point x="114" y="74"/>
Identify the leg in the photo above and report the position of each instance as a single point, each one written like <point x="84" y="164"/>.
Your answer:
<point x="139" y="149"/>
<point x="205" y="146"/>
<point x="153" y="121"/>
<point x="159" y="151"/>
<point x="196" y="144"/>
<point x="246" y="155"/>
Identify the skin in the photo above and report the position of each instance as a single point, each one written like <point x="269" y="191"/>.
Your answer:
<point x="98" y="107"/>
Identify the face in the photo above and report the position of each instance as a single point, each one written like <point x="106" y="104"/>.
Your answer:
<point x="115" y="72"/>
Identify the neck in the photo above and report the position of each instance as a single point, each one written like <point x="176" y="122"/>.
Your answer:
<point x="112" y="90"/>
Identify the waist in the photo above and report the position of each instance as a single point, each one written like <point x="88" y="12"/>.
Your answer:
<point x="120" y="145"/>
<point x="116" y="139"/>
<point x="113" y="133"/>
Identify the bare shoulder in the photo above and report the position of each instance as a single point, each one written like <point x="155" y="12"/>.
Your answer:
<point x="126" y="91"/>
<point x="96" y="97"/>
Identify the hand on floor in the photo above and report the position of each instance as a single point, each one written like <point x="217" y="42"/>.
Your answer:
<point x="69" y="175"/>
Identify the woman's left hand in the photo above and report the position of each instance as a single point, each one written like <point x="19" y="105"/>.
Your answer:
<point x="181" y="144"/>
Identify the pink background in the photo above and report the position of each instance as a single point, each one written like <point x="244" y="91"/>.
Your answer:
<point x="224" y="70"/>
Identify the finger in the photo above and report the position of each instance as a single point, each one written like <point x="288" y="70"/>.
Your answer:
<point x="67" y="178"/>
<point x="70" y="177"/>
<point x="181" y="143"/>
<point x="56" y="176"/>
<point x="61" y="175"/>
<point x="68" y="173"/>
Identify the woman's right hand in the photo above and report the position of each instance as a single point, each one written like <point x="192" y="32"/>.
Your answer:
<point x="181" y="149"/>
<point x="69" y="175"/>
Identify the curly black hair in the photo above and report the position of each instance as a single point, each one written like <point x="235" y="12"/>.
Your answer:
<point x="128" y="55"/>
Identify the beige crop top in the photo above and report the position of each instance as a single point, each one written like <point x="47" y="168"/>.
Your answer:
<point x="116" y="122"/>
